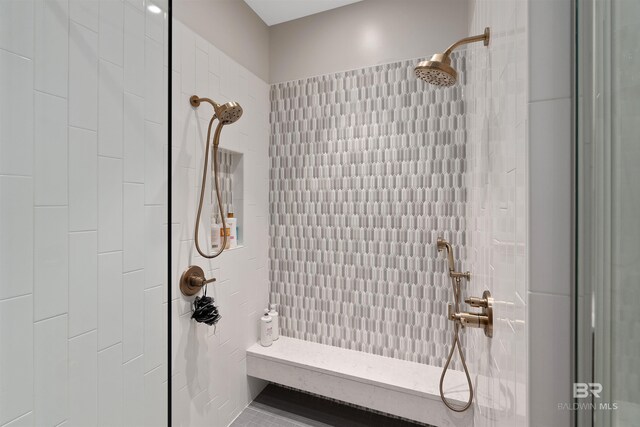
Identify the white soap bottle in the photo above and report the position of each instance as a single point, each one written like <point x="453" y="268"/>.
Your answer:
<point x="232" y="226"/>
<point x="216" y="236"/>
<point x="266" y="329"/>
<point x="276" y="321"/>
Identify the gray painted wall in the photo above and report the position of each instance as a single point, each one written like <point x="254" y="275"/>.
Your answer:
<point x="363" y="34"/>
<point x="368" y="33"/>
<point x="233" y="27"/>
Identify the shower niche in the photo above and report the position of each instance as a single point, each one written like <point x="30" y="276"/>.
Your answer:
<point x="230" y="168"/>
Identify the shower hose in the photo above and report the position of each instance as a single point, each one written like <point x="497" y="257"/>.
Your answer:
<point x="216" y="138"/>
<point x="456" y="343"/>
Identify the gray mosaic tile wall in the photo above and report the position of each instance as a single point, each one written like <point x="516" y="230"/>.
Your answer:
<point x="367" y="170"/>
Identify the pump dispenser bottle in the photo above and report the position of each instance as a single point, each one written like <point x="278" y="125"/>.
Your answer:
<point x="275" y="321"/>
<point x="266" y="329"/>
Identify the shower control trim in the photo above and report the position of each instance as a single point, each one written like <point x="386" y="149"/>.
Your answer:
<point x="483" y="320"/>
<point x="192" y="280"/>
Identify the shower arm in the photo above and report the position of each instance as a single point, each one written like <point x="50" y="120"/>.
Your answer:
<point x="195" y="101"/>
<point x="484" y="37"/>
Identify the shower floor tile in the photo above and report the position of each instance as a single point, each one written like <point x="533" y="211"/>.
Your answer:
<point x="282" y="407"/>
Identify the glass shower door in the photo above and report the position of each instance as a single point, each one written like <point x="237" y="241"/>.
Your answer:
<point x="608" y="208"/>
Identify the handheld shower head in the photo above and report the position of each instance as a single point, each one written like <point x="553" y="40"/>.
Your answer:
<point x="227" y="113"/>
<point x="438" y="70"/>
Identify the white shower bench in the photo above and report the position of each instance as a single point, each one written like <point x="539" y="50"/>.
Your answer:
<point x="397" y="387"/>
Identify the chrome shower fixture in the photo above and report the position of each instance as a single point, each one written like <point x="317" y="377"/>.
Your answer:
<point x="438" y="70"/>
<point x="193" y="279"/>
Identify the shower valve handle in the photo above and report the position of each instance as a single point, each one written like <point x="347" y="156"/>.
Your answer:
<point x="477" y="302"/>
<point x="483" y="320"/>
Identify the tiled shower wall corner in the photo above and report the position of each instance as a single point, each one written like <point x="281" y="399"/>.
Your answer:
<point x="210" y="385"/>
<point x="497" y="209"/>
<point x="83" y="214"/>
<point x="367" y="171"/>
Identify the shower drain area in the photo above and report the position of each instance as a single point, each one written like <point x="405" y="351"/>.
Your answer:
<point x="397" y="387"/>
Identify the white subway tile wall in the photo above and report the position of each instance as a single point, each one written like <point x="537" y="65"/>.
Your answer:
<point x="497" y="212"/>
<point x="367" y="171"/>
<point x="73" y="303"/>
<point x="210" y="386"/>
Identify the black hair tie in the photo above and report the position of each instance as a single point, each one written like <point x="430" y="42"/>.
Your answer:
<point x="204" y="310"/>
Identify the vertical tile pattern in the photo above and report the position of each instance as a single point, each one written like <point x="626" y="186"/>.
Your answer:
<point x="367" y="170"/>
<point x="51" y="262"/>
<point x="110" y="386"/>
<point x="16" y="114"/>
<point x="550" y="157"/>
<point x="52" y="46"/>
<point x="72" y="208"/>
<point x="83" y="76"/>
<point x="83" y="282"/>
<point x="109" y="204"/>
<point x="497" y="212"/>
<point x="83" y="380"/>
<point x="109" y="299"/>
<point x="83" y="180"/>
<point x="50" y="370"/>
<point x="16" y="227"/>
<point x="111" y="108"/>
<point x="210" y="386"/>
<point x="16" y="357"/>
<point x="51" y="150"/>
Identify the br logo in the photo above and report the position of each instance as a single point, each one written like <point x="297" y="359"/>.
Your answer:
<point x="582" y="390"/>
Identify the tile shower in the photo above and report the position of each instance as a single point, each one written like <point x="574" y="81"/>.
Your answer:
<point x="341" y="181"/>
<point x="366" y="171"/>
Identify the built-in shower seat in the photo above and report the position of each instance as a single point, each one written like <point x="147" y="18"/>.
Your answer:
<point x="401" y="388"/>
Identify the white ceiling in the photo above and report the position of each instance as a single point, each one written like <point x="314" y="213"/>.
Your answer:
<point x="275" y="12"/>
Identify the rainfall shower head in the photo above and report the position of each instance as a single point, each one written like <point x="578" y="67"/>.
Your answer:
<point x="438" y="70"/>
<point x="227" y="113"/>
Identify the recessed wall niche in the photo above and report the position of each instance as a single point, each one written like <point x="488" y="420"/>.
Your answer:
<point x="230" y="173"/>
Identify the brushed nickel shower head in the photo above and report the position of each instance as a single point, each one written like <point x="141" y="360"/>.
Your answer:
<point x="438" y="70"/>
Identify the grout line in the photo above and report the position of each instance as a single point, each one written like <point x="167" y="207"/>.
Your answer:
<point x="537" y="101"/>
<point x="83" y="333"/>
<point x="16" y="297"/>
<point x="71" y="20"/>
<point x="18" y="417"/>
<point x="549" y="294"/>
<point x="100" y="350"/>
<point x="50" y="317"/>
<point x="83" y="128"/>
